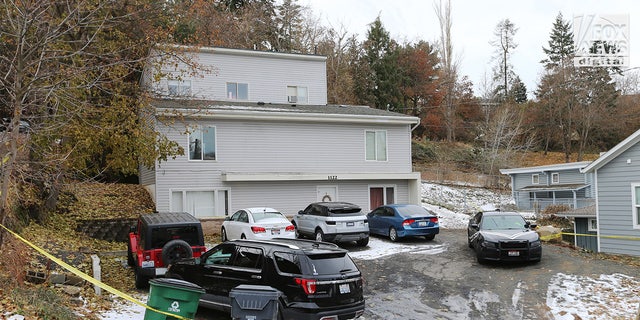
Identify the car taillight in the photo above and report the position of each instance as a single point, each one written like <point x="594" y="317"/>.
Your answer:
<point x="290" y="228"/>
<point x="308" y="285"/>
<point x="258" y="229"/>
<point x="408" y="222"/>
<point x="434" y="220"/>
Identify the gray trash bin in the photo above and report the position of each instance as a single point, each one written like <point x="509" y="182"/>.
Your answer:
<point x="254" y="302"/>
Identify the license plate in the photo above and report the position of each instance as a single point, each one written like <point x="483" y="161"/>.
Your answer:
<point x="275" y="231"/>
<point x="351" y="224"/>
<point x="344" y="288"/>
<point x="148" y="264"/>
<point x="514" y="253"/>
<point x="422" y="223"/>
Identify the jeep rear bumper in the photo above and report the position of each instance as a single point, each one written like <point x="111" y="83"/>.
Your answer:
<point x="152" y="272"/>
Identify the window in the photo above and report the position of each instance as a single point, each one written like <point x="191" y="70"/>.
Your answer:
<point x="237" y="91"/>
<point x="297" y="94"/>
<point x="555" y="178"/>
<point x="381" y="195"/>
<point x="376" y="145"/>
<point x="201" y="203"/>
<point x="535" y="179"/>
<point x="636" y="205"/>
<point x="202" y="144"/>
<point x="179" y="87"/>
<point x="592" y="224"/>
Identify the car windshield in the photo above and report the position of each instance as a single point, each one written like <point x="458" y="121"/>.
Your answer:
<point x="267" y="215"/>
<point x="504" y="222"/>
<point x="413" y="211"/>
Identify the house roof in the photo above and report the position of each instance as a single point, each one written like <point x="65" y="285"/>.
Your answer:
<point x="584" y="212"/>
<point x="552" y="167"/>
<point x="283" y="112"/>
<point x="613" y="153"/>
<point x="554" y="187"/>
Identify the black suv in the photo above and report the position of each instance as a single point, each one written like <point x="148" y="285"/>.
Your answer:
<point x="158" y="239"/>
<point x="317" y="280"/>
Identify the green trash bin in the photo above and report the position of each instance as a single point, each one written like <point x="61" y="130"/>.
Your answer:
<point x="174" y="296"/>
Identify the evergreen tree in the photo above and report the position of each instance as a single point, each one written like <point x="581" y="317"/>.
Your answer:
<point x="561" y="45"/>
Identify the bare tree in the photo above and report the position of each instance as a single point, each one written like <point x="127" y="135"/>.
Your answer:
<point x="504" y="43"/>
<point x="449" y="68"/>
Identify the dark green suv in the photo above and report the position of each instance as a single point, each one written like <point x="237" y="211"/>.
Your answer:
<point x="158" y="239"/>
<point x="317" y="280"/>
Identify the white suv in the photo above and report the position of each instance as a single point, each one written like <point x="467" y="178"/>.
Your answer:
<point x="333" y="222"/>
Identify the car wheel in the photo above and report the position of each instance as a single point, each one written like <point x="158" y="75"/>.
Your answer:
<point x="319" y="235"/>
<point x="363" y="242"/>
<point x="130" y="260"/>
<point x="479" y="257"/>
<point x="223" y="235"/>
<point x="393" y="234"/>
<point x="430" y="237"/>
<point x="176" y="250"/>
<point x="142" y="282"/>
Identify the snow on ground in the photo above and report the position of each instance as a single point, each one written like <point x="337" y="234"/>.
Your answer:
<point x="606" y="297"/>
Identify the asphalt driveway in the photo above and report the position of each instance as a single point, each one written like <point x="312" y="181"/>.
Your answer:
<point x="442" y="280"/>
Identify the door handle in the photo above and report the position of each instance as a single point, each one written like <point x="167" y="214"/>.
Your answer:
<point x="217" y="272"/>
<point x="256" y="277"/>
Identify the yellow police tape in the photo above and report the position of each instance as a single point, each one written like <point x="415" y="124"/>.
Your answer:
<point x="88" y="278"/>
<point x="558" y="235"/>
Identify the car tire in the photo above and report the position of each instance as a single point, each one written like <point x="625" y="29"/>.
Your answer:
<point x="319" y="235"/>
<point x="141" y="281"/>
<point x="393" y="234"/>
<point x="242" y="236"/>
<point x="176" y="250"/>
<point x="430" y="237"/>
<point x="363" y="242"/>
<point x="479" y="257"/>
<point x="223" y="235"/>
<point x="130" y="260"/>
<point x="295" y="229"/>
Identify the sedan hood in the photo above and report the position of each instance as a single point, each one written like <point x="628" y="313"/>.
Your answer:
<point x="502" y="235"/>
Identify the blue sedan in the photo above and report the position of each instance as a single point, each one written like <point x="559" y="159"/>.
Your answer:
<point x="403" y="220"/>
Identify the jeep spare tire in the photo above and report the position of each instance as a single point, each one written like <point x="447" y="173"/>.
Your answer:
<point x="176" y="250"/>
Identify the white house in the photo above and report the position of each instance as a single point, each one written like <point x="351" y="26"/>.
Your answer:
<point x="257" y="131"/>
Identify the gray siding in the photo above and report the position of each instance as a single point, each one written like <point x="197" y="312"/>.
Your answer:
<point x="615" y="203"/>
<point x="586" y="242"/>
<point x="267" y="77"/>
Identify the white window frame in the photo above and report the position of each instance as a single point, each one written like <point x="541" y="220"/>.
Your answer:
<point x="197" y="135"/>
<point x="590" y="224"/>
<point x="378" y="155"/>
<point x="555" y="178"/>
<point x="217" y="193"/>
<point x="294" y="94"/>
<point x="180" y="87"/>
<point x="236" y="95"/>
<point x="635" y="205"/>
<point x="535" y="179"/>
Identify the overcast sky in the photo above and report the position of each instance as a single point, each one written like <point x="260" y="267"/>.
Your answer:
<point x="474" y="23"/>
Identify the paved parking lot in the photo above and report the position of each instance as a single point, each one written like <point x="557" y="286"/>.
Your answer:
<point x="442" y="280"/>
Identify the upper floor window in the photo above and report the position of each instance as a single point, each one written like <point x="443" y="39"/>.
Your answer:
<point x="376" y="145"/>
<point x="237" y="91"/>
<point x="297" y="94"/>
<point x="179" y="87"/>
<point x="202" y="144"/>
<point x="535" y="179"/>
<point x="555" y="177"/>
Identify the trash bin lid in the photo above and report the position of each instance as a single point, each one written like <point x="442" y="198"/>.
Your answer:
<point x="253" y="287"/>
<point x="176" y="283"/>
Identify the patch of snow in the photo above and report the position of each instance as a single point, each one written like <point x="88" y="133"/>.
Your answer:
<point x="379" y="248"/>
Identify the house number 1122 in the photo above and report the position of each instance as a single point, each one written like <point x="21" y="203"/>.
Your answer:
<point x="332" y="177"/>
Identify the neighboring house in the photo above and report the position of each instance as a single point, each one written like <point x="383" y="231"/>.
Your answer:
<point x="535" y="188"/>
<point x="617" y="189"/>
<point x="257" y="132"/>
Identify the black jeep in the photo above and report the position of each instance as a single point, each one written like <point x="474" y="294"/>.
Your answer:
<point x="159" y="239"/>
<point x="316" y="280"/>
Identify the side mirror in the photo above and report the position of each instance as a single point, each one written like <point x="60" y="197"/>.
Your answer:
<point x="532" y="226"/>
<point x="474" y="226"/>
<point x="227" y="219"/>
<point x="301" y="212"/>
